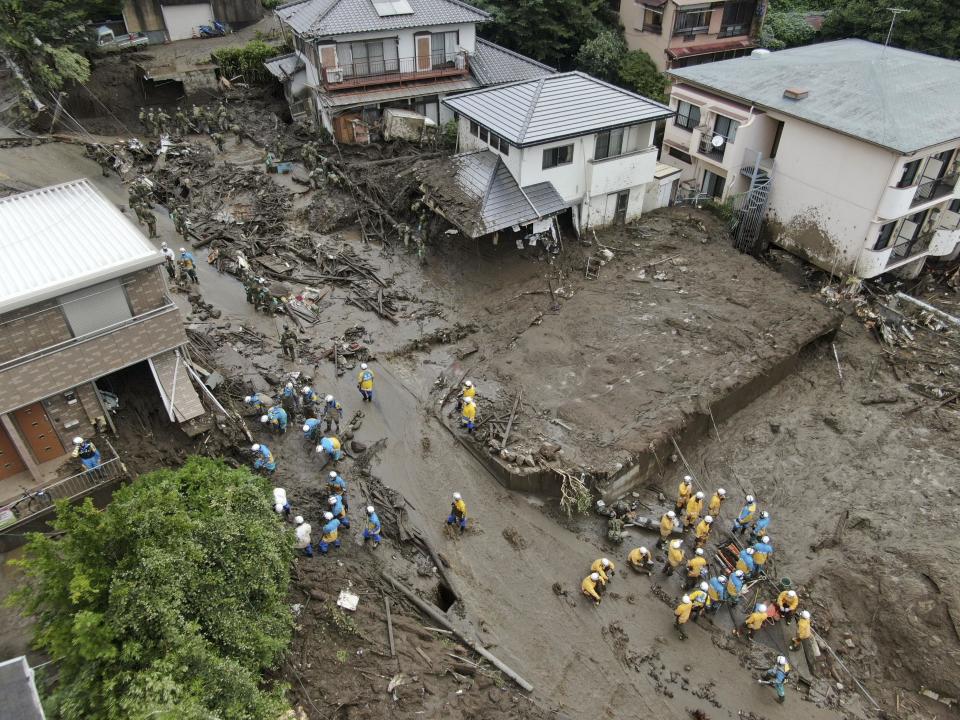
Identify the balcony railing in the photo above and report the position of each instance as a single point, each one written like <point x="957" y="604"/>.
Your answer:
<point x="707" y="148"/>
<point x="934" y="189"/>
<point x="395" y="70"/>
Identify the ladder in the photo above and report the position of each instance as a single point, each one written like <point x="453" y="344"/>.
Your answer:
<point x="592" y="270"/>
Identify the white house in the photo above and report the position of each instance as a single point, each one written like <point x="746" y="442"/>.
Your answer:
<point x="857" y="143"/>
<point x="353" y="58"/>
<point x="566" y="139"/>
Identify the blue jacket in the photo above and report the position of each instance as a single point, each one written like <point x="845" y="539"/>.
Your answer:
<point x="289" y="392"/>
<point x="748" y="560"/>
<point x="779" y="674"/>
<point x="337" y="509"/>
<point x="760" y="525"/>
<point x="737" y="582"/>
<point x="311" y="397"/>
<point x="335" y="406"/>
<point x="254" y="400"/>
<point x="762" y="547"/>
<point x="373" y="524"/>
<point x="337" y="483"/>
<point x="719" y="588"/>
<point x="277" y="414"/>
<point x="312" y="425"/>
<point x="331" y="527"/>
<point x="746" y="512"/>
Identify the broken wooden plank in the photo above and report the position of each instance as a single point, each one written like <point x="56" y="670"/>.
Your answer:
<point x="386" y="605"/>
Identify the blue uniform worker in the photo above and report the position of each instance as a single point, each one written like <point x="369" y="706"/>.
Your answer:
<point x="745" y="562"/>
<point x="338" y="486"/>
<point x="735" y="587"/>
<point x="330" y="446"/>
<point x="365" y="382"/>
<point x="332" y="413"/>
<point x="762" y="551"/>
<point x="310" y="398"/>
<point x="778" y="676"/>
<point x="746" y="516"/>
<point x="264" y="458"/>
<point x="331" y="534"/>
<point x="87" y="452"/>
<point x="335" y="503"/>
<point x="255" y="402"/>
<point x="717" y="592"/>
<point x="759" y="528"/>
<point x="372" y="530"/>
<point x="276" y="418"/>
<point x="290" y="397"/>
<point x="310" y="426"/>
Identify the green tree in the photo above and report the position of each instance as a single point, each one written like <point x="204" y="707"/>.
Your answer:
<point x="639" y="73"/>
<point x="169" y="604"/>
<point x="786" y="29"/>
<point x="929" y="26"/>
<point x="601" y="56"/>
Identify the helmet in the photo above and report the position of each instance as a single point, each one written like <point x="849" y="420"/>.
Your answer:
<point x="329" y="398"/>
<point x="765" y="514"/>
<point x="264" y="418"/>
<point x="369" y="509"/>
<point x="687" y="479"/>
<point x="750" y="551"/>
<point x="738" y="573"/>
<point x="163" y="245"/>
<point x="333" y="473"/>
<point x="708" y="519"/>
<point x="332" y="500"/>
<point x="306" y="428"/>
<point x="289" y="384"/>
<point x="685" y="599"/>
<point x="643" y="550"/>
<point x="183" y="249"/>
<point x="594" y="576"/>
<point x="456" y="496"/>
<point x="699" y="495"/>
<point x="328" y="515"/>
<point x="722" y="578"/>
<point x="298" y="519"/>
<point x="255" y="447"/>
<point x="319" y="448"/>
<point x="765" y="539"/>
<point x="468" y="383"/>
<point x="781" y="660"/>
<point x="671" y="514"/>
<point x="307" y="390"/>
<point x="791" y="593"/>
<point x="749" y="498"/>
<point x="278" y="507"/>
<point x="704" y="586"/>
<point x="468" y="401"/>
<point x="78" y="440"/>
<point x="605" y="562"/>
<point x="761" y="607"/>
<point x="805" y="614"/>
<point x="676" y="543"/>
<point x="721" y="492"/>
<point x="363" y="366"/>
<point x="699" y="551"/>
<point x="248" y="398"/>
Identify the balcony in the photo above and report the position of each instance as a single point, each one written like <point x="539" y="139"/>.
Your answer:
<point x="934" y="189"/>
<point x="707" y="149"/>
<point x="368" y="73"/>
<point x="617" y="172"/>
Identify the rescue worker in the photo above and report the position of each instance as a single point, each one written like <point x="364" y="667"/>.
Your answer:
<point x="693" y="509"/>
<point x="589" y="587"/>
<point x="735" y="587"/>
<point x="181" y="122"/>
<point x="179" y="217"/>
<point x="717" y="591"/>
<point x="331" y="534"/>
<point x="169" y="261"/>
<point x="264" y="458"/>
<point x="778" y="676"/>
<point x="257" y="402"/>
<point x="291" y="399"/>
<point x="716" y="500"/>
<point x="605" y="568"/>
<point x="467" y="391"/>
<point x="755" y="620"/>
<point x="666" y="527"/>
<point x="804" y="631"/>
<point x="682" y="615"/>
<point x="458" y="512"/>
<point x="189" y="265"/>
<point x="288" y="344"/>
<point x="103" y="159"/>
<point x="745" y="563"/>
<point x="276" y="419"/>
<point x="217" y="140"/>
<point x="223" y="121"/>
<point x="332" y="412"/>
<point x="759" y="528"/>
<point x="335" y="503"/>
<point x="338" y="486"/>
<point x="330" y="447"/>
<point x="761" y="551"/>
<point x="303" y="536"/>
<point x="696" y="568"/>
<point x="86" y="452"/>
<point x="372" y="530"/>
<point x="163" y="122"/>
<point x="310" y="426"/>
<point x="280" y="504"/>
<point x="787" y="602"/>
<point x="151" y="124"/>
<point x="468" y="414"/>
<point x="700" y="600"/>
<point x="310" y="399"/>
<point x="675" y="557"/>
<point x="197" y="115"/>
<point x="146" y="217"/>
<point x="641" y="560"/>
<point x="365" y="382"/>
<point x="747" y="513"/>
<point x="684" y="491"/>
<point x="702" y="530"/>
<point x="142" y="117"/>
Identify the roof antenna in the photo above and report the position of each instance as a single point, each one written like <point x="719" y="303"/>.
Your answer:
<point x="893" y="20"/>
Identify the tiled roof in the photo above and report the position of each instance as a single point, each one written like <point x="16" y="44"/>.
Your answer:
<point x="283" y="66"/>
<point x="322" y="18"/>
<point x="494" y="65"/>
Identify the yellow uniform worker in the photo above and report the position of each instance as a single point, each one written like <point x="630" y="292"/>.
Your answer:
<point x="684" y="491"/>
<point x="787" y="603"/>
<point x="666" y="527"/>
<point x="804" y="631"/>
<point x="469" y="390"/>
<point x="675" y="557"/>
<point x="702" y="530"/>
<point x="640" y="559"/>
<point x="695" y="565"/>
<point x="604" y="568"/>
<point x="716" y="500"/>
<point x="589" y="587"/>
<point x="365" y="382"/>
<point x="468" y="414"/>
<point x="681" y="615"/>
<point x="699" y="600"/>
<point x="693" y="509"/>
<point x="755" y="620"/>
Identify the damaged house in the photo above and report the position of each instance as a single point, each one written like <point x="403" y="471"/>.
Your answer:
<point x="535" y="149"/>
<point x="853" y="147"/>
<point x="81" y="297"/>
<point x="354" y="58"/>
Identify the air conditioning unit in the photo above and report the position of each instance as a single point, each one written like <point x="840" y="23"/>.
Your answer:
<point x="334" y="75"/>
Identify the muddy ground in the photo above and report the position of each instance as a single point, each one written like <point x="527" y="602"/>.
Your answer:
<point x="809" y="448"/>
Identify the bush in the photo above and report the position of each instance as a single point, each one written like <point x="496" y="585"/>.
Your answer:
<point x="271" y="4"/>
<point x="602" y="55"/>
<point x="170" y="603"/>
<point x="786" y="29"/>
<point x="247" y="60"/>
<point x="639" y="73"/>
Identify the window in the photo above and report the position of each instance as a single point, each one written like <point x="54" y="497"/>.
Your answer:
<point x="886" y="232"/>
<point x="692" y="21"/>
<point x="679" y="155"/>
<point x="712" y="184"/>
<point x="653" y="20"/>
<point x="552" y="157"/>
<point x="726" y="127"/>
<point x="609" y="144"/>
<point x="483" y="134"/>
<point x="909" y="174"/>
<point x="96" y="307"/>
<point x="688" y="116"/>
<point x="498" y="143"/>
<point x="373" y="57"/>
<point x="954" y="206"/>
<point x="474" y="129"/>
<point x="737" y="17"/>
<point x="909" y="240"/>
<point x="443" y="48"/>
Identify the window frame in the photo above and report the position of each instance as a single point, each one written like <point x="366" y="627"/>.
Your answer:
<point x="703" y="26"/>
<point x="905" y="181"/>
<point x="688" y="126"/>
<point x="679" y="154"/>
<point x="717" y="179"/>
<point x="552" y="156"/>
<point x="885" y="235"/>
<point x="605" y="139"/>
<point x="475" y="129"/>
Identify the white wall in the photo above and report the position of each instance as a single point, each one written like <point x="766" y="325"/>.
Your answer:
<point x="183" y="20"/>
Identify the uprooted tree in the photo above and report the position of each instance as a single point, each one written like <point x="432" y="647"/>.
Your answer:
<point x="169" y="603"/>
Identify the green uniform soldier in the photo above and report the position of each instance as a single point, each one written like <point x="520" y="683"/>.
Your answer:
<point x="288" y="342"/>
<point x="151" y="122"/>
<point x="223" y="122"/>
<point x="179" y="217"/>
<point x="163" y="122"/>
<point x="218" y="140"/>
<point x="103" y="160"/>
<point x="183" y="125"/>
<point x="145" y="215"/>
<point x="250" y="285"/>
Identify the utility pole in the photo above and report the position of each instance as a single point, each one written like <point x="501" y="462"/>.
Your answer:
<point x="893" y="20"/>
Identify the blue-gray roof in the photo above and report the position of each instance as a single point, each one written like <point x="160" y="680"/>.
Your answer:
<point x="283" y="66"/>
<point x="477" y="193"/>
<point x="492" y="64"/>
<point x="555" y="107"/>
<point x="894" y="98"/>
<point x="322" y="18"/>
<point x="18" y="693"/>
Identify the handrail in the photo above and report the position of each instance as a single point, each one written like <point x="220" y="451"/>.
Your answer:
<point x="382" y="69"/>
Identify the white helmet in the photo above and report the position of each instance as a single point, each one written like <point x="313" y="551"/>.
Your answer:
<point x="248" y="398"/>
<point x="643" y="551"/>
<point x="363" y="366"/>
<point x="290" y="384"/>
<point x="255" y="447"/>
<point x="605" y="562"/>
<point x="722" y="578"/>
<point x="594" y="576"/>
<point x="721" y="492"/>
<point x="468" y="383"/>
<point x="750" y="551"/>
<point x="739" y="573"/>
<point x="183" y="249"/>
<point x="699" y="495"/>
<point x="765" y="514"/>
<point x="761" y="608"/>
<point x="163" y="244"/>
<point x="264" y="418"/>
<point x="749" y="498"/>
<point x="781" y="660"/>
<point x="369" y="509"/>
<point x="671" y="514"/>
<point x="685" y="599"/>
<point x="468" y="401"/>
<point x="78" y="440"/>
<point x="319" y="448"/>
<point x="704" y="586"/>
<point x="805" y="614"/>
<point x="332" y="500"/>
<point x="278" y="507"/>
<point x="765" y="539"/>
<point x="687" y="479"/>
<point x="333" y="473"/>
<point x="298" y="519"/>
<point x="306" y="390"/>
<point x="791" y="593"/>
<point x="306" y="428"/>
<point x="676" y="543"/>
<point x="328" y="398"/>
<point x="328" y="515"/>
<point x="708" y="519"/>
<point x="456" y="496"/>
<point x="699" y="551"/>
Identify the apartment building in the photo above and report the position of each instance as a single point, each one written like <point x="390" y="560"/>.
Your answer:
<point x="856" y="144"/>
<point x="680" y="33"/>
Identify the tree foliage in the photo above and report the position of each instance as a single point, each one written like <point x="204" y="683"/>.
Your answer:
<point x="786" y="29"/>
<point x="601" y="56"/>
<point x="929" y="26"/>
<point x="170" y="603"/>
<point x="247" y="60"/>
<point x="639" y="73"/>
